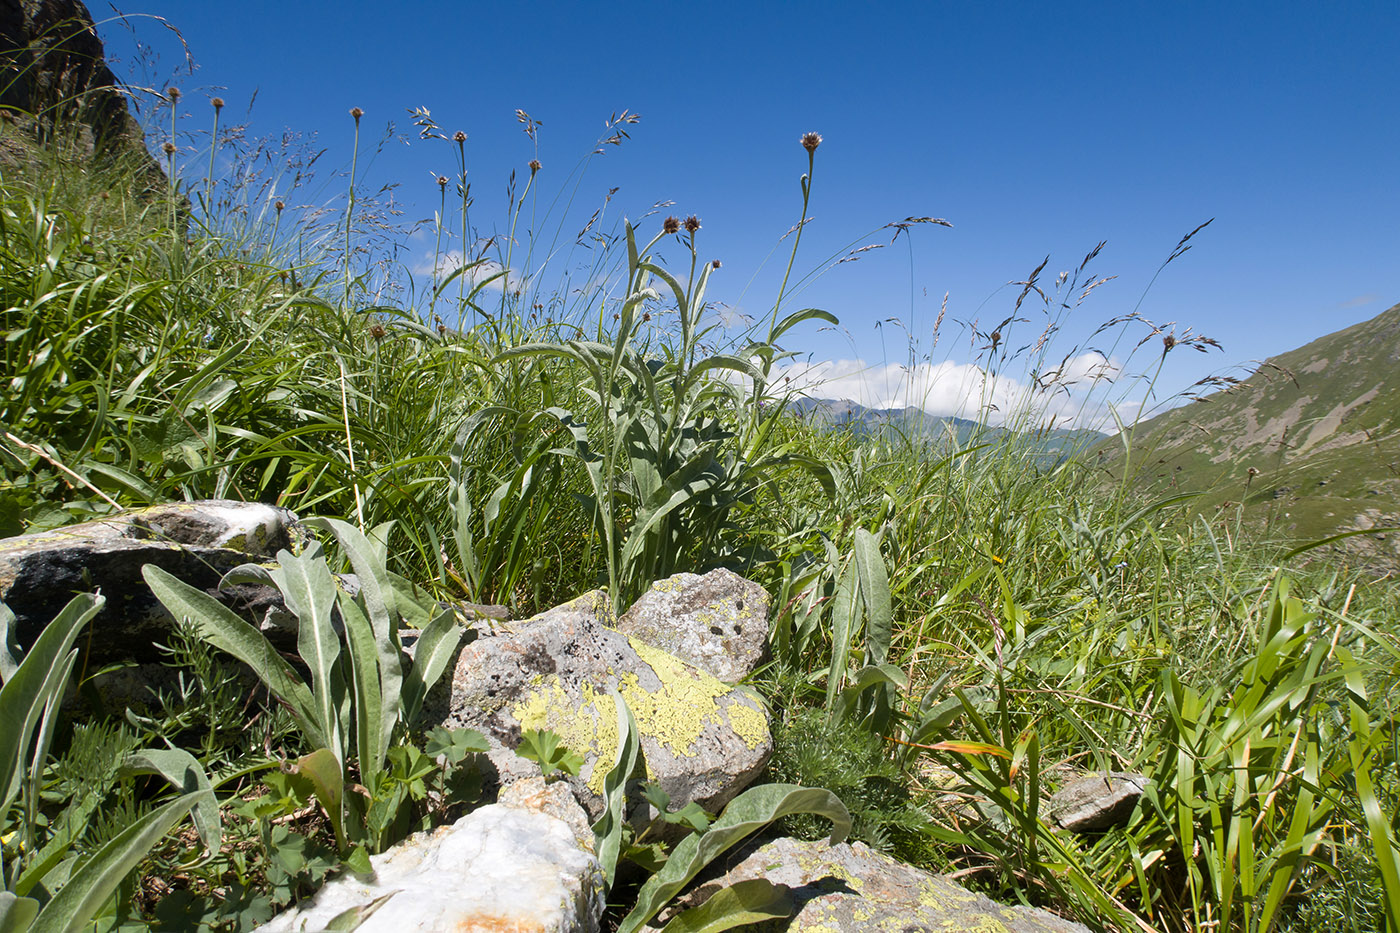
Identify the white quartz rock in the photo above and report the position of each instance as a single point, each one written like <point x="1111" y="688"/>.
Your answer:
<point x="498" y="868"/>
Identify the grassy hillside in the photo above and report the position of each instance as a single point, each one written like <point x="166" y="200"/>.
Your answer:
<point x="1308" y="445"/>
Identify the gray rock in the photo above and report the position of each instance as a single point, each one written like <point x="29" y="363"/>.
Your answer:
<point x="196" y="541"/>
<point x="718" y="622"/>
<point x="703" y="740"/>
<point x="1096" y="801"/>
<point x="524" y="863"/>
<point x="853" y="889"/>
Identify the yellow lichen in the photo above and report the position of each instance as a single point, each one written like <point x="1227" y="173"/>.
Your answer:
<point x="674" y="716"/>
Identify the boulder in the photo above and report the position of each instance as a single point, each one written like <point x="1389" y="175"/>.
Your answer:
<point x="523" y="863"/>
<point x="703" y="740"/>
<point x="1096" y="802"/>
<point x="718" y="622"/>
<point x="854" y="889"/>
<point x="196" y="541"/>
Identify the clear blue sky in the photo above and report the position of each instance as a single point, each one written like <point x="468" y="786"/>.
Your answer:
<point x="1034" y="128"/>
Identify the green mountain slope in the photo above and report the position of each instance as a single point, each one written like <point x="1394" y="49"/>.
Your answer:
<point x="1310" y="443"/>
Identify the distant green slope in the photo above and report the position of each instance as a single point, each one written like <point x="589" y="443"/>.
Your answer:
<point x="1319" y="424"/>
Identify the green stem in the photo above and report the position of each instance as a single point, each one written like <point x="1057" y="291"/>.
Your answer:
<point x="797" y="240"/>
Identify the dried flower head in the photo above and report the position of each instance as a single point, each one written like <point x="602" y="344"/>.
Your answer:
<point x="692" y="223"/>
<point x="671" y="225"/>
<point x="459" y="137"/>
<point x="810" y="141"/>
<point x="442" y="330"/>
<point x="356" y="112"/>
<point x="167" y="147"/>
<point x="1168" y="342"/>
<point x="173" y="93"/>
<point x="646" y="316"/>
<point x="377" y="331"/>
<point x="106" y="195"/>
<point x="1252" y="471"/>
<point x="218" y="103"/>
<point x="534" y="166"/>
<point x="279" y="205"/>
<point x="715" y="264"/>
<point x="442" y="181"/>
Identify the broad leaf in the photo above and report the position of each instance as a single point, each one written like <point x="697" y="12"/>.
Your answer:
<point x="752" y="901"/>
<point x="746" y="814"/>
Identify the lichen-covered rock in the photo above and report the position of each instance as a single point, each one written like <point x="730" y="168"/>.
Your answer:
<point x="853" y="889"/>
<point x="718" y="622"/>
<point x="703" y="740"/>
<point x="1096" y="801"/>
<point x="519" y="864"/>
<point x="196" y="541"/>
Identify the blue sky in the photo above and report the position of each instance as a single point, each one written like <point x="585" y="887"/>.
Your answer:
<point x="1035" y="129"/>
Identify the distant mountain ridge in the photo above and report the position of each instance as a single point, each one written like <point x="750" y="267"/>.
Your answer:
<point x="1310" y="443"/>
<point x="915" y="423"/>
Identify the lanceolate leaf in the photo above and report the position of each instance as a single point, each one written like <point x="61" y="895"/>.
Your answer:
<point x="875" y="596"/>
<point x="73" y="907"/>
<point x="309" y="589"/>
<point x="370" y="712"/>
<point x="437" y="645"/>
<point x="608" y="830"/>
<point x="183" y="771"/>
<point x="29" y="688"/>
<point x="217" y="625"/>
<point x="368" y="555"/>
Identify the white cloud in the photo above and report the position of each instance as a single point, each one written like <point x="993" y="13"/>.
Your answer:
<point x="450" y="261"/>
<point x="1080" y="396"/>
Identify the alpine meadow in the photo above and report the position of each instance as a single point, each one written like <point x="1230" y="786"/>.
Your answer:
<point x="1190" y="602"/>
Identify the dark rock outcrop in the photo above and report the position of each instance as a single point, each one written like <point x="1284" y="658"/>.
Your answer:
<point x="56" y="89"/>
<point x="196" y="541"/>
